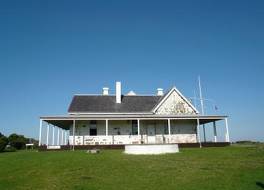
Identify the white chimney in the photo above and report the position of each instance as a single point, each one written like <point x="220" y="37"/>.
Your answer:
<point x="105" y="91"/>
<point x="118" y="92"/>
<point x="159" y="92"/>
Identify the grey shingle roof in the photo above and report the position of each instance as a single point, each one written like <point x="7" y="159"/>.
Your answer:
<point x="107" y="104"/>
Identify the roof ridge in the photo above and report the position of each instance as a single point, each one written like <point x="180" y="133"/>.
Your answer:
<point x="114" y="95"/>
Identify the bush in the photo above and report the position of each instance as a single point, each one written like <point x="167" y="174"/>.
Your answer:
<point x="13" y="142"/>
<point x="10" y="149"/>
<point x="17" y="141"/>
<point x="3" y="142"/>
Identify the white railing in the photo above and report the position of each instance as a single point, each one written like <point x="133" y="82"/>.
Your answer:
<point x="180" y="138"/>
<point x="104" y="140"/>
<point x="133" y="139"/>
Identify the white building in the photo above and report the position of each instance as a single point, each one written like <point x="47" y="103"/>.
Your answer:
<point x="119" y="119"/>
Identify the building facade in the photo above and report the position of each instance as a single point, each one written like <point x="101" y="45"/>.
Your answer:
<point x="119" y="119"/>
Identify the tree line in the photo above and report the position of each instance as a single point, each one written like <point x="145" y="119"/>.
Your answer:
<point x="14" y="142"/>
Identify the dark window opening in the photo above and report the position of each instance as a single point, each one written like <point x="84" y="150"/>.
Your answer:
<point x="134" y="127"/>
<point x="93" y="131"/>
<point x="166" y="129"/>
<point x="117" y="129"/>
<point x="93" y="128"/>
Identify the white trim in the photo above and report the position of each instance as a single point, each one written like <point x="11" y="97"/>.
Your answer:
<point x="135" y="118"/>
<point x="227" y="131"/>
<point x="168" y="94"/>
<point x="138" y="122"/>
<point x="40" y="130"/>
<point x="134" y="115"/>
<point x="169" y="129"/>
<point x="58" y="136"/>
<point x="204" y="133"/>
<point x="169" y="126"/>
<point x="62" y="136"/>
<point x="73" y="133"/>
<point x="65" y="137"/>
<point x="198" y="133"/>
<point x="53" y="133"/>
<point x="215" y="132"/>
<point x="48" y="134"/>
<point x="106" y="127"/>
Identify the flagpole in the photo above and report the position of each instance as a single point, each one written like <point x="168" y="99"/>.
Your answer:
<point x="202" y="104"/>
<point x="195" y="99"/>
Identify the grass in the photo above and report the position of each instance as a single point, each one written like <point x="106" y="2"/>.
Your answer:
<point x="236" y="167"/>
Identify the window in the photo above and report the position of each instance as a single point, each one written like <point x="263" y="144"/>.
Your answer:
<point x="93" y="131"/>
<point x="93" y="128"/>
<point x="166" y="128"/>
<point x="117" y="129"/>
<point x="134" y="127"/>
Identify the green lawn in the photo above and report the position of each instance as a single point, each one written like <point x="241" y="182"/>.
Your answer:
<point x="207" y="168"/>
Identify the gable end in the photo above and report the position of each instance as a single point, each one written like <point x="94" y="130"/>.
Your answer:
<point x="174" y="103"/>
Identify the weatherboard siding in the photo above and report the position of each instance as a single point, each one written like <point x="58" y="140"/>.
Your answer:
<point x="120" y="132"/>
<point x="175" y="104"/>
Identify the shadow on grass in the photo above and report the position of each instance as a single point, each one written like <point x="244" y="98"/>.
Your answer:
<point x="260" y="184"/>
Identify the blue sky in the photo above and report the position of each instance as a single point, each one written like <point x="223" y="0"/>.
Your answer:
<point x="50" y="50"/>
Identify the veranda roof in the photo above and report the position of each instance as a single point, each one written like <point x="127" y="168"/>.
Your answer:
<point x="66" y="121"/>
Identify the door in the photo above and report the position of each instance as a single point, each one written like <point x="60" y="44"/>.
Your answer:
<point x="93" y="131"/>
<point x="151" y="134"/>
<point x="93" y="128"/>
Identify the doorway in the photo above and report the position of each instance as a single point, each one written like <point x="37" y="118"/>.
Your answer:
<point x="151" y="134"/>
<point x="93" y="131"/>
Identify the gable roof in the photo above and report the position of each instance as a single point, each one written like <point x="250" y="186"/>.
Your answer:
<point x="166" y="95"/>
<point x="107" y="104"/>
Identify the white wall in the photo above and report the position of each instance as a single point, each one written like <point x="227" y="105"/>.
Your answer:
<point x="182" y="131"/>
<point x="83" y="128"/>
<point x="183" y="126"/>
<point x="175" y="104"/>
<point x="124" y="127"/>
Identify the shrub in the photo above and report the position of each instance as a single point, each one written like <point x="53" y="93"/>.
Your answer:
<point x="17" y="141"/>
<point x="3" y="142"/>
<point x="10" y="149"/>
